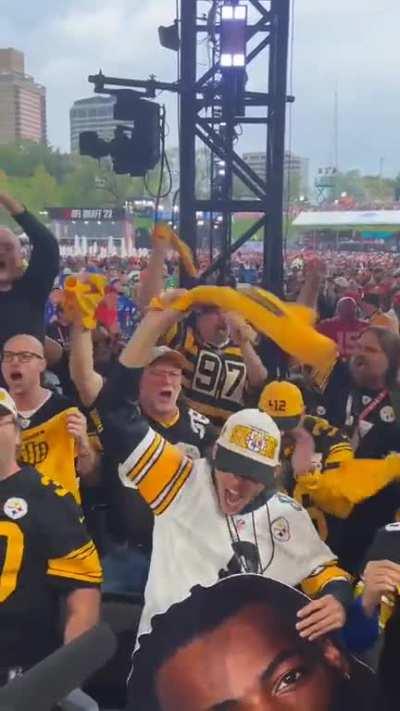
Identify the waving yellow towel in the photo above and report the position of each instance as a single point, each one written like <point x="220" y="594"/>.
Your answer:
<point x="82" y="297"/>
<point x="337" y="491"/>
<point x="165" y="232"/>
<point x="289" y="326"/>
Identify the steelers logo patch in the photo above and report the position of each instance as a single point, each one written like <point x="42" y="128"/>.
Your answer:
<point x="387" y="414"/>
<point x="15" y="508"/>
<point x="280" y="530"/>
<point x="366" y="399"/>
<point x="255" y="442"/>
<point x="321" y="411"/>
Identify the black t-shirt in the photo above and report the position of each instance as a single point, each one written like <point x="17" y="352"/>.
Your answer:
<point x="190" y="429"/>
<point x="39" y="528"/>
<point x="22" y="307"/>
<point x="371" y="413"/>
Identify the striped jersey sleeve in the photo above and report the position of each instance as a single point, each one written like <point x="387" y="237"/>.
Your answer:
<point x="146" y="461"/>
<point x="72" y="558"/>
<point x="334" y="446"/>
<point x="324" y="574"/>
<point x="157" y="469"/>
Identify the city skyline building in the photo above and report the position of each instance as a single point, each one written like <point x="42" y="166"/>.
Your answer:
<point x="296" y="168"/>
<point x="22" y="101"/>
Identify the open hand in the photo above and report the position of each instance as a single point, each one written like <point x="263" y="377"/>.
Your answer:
<point x="321" y="616"/>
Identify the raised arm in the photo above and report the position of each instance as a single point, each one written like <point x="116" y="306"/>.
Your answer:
<point x="152" y="283"/>
<point x="44" y="261"/>
<point x="154" y="325"/>
<point x="314" y="272"/>
<point x="81" y="363"/>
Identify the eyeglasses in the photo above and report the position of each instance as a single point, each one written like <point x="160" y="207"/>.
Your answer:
<point x="20" y="356"/>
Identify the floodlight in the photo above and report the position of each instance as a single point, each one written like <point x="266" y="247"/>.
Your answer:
<point x="226" y="60"/>
<point x="239" y="60"/>
<point x="233" y="36"/>
<point x="227" y="12"/>
<point x="240" y="12"/>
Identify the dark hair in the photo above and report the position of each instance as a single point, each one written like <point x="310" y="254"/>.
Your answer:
<point x="390" y="344"/>
<point x="373" y="299"/>
<point x="205" y="609"/>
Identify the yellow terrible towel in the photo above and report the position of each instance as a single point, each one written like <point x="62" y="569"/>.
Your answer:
<point x="289" y="326"/>
<point x="337" y="491"/>
<point x="164" y="231"/>
<point x="81" y="298"/>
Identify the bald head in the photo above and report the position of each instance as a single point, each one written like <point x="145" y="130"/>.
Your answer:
<point x="10" y="258"/>
<point x="22" y="366"/>
<point x="24" y="342"/>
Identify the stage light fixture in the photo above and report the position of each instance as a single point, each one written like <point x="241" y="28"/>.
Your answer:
<point x="135" y="148"/>
<point x="226" y="60"/>
<point x="233" y="36"/>
<point x="227" y="12"/>
<point x="169" y="36"/>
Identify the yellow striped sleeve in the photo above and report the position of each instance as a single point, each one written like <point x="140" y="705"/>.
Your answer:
<point x="339" y="453"/>
<point x="82" y="565"/>
<point x="157" y="469"/>
<point x="322" y="576"/>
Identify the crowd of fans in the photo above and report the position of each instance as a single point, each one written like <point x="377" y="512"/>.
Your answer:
<point x="153" y="439"/>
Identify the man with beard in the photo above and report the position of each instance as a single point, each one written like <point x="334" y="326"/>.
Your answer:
<point x="222" y="364"/>
<point x="23" y="295"/>
<point x="363" y="398"/>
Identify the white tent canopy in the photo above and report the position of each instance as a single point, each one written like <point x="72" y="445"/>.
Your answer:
<point x="372" y="220"/>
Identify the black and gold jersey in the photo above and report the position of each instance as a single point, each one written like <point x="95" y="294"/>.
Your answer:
<point x="47" y="445"/>
<point x="332" y="446"/>
<point x="189" y="429"/>
<point x="45" y="551"/>
<point x="214" y="379"/>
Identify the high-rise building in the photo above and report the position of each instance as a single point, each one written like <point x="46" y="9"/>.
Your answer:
<point x="22" y="101"/>
<point x="295" y="168"/>
<point x="93" y="114"/>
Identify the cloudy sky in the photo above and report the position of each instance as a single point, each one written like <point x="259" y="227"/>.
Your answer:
<point x="351" y="45"/>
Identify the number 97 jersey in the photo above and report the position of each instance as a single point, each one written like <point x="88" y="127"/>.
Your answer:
<point x="214" y="379"/>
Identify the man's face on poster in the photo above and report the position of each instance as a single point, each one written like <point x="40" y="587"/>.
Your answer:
<point x="249" y="663"/>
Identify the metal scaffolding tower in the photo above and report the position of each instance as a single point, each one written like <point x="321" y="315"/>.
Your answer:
<point x="214" y="105"/>
<point x="267" y="34"/>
